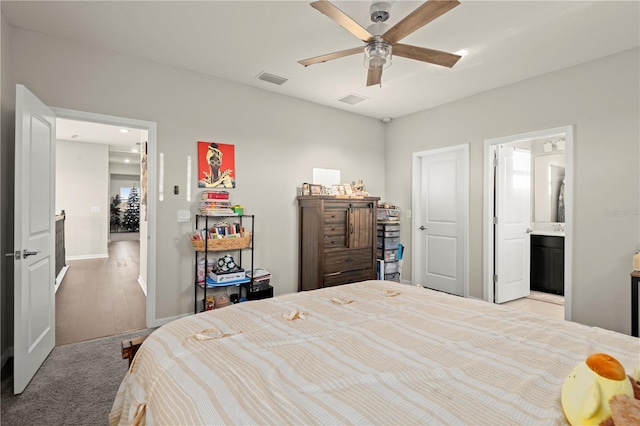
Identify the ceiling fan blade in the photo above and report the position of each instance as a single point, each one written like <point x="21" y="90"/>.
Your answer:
<point x="342" y="19"/>
<point x="330" y="56"/>
<point x="423" y="54"/>
<point x="374" y="76"/>
<point x="424" y="14"/>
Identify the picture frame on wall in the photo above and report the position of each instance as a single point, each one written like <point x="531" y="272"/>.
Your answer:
<point x="216" y="165"/>
<point x="315" y="189"/>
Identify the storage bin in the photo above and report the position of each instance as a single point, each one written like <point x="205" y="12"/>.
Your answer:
<point x="388" y="233"/>
<point x="391" y="267"/>
<point x="392" y="277"/>
<point x="387" y="255"/>
<point x="388" y="214"/>
<point x="388" y="227"/>
<point x="388" y="243"/>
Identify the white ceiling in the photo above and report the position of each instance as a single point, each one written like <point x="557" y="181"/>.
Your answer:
<point x="124" y="147"/>
<point x="508" y="41"/>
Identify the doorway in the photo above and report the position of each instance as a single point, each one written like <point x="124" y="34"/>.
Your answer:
<point x="147" y="248"/>
<point x="553" y="228"/>
<point x="102" y="293"/>
<point x="440" y="219"/>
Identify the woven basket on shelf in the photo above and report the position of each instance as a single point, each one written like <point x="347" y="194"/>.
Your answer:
<point x="220" y="244"/>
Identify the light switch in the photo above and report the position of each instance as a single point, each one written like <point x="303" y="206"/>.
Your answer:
<point x="408" y="214"/>
<point x="184" y="216"/>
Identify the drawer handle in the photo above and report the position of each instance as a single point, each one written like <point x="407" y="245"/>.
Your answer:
<point x="333" y="242"/>
<point x="349" y="259"/>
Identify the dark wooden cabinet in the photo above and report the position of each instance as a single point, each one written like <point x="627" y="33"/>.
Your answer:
<point x="337" y="240"/>
<point x="547" y="264"/>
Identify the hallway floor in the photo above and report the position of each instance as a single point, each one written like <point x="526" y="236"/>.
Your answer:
<point x="101" y="297"/>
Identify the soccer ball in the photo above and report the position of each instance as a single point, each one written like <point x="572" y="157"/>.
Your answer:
<point x="226" y="263"/>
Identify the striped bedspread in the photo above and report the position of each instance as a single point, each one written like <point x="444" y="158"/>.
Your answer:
<point x="374" y="352"/>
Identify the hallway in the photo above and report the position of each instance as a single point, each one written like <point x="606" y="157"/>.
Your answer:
<point x="101" y="297"/>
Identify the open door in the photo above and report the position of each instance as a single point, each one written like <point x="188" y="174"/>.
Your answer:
<point x="513" y="219"/>
<point x="34" y="242"/>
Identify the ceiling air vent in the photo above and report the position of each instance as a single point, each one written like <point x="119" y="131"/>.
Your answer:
<point x="352" y="99"/>
<point x="265" y="76"/>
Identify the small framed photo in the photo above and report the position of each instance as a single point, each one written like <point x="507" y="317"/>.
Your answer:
<point x="338" y="190"/>
<point x="305" y="189"/>
<point x="348" y="190"/>
<point x="315" y="189"/>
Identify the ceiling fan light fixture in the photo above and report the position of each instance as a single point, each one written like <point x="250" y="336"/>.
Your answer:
<point x="377" y="55"/>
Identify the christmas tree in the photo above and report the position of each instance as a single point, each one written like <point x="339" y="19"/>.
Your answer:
<point x="131" y="219"/>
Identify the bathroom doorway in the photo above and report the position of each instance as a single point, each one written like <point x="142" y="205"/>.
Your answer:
<point x="528" y="211"/>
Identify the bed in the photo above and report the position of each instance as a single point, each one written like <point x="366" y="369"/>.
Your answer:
<point x="374" y="352"/>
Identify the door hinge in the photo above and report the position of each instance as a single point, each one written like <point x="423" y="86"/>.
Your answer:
<point x="495" y="220"/>
<point x="495" y="278"/>
<point x="495" y="162"/>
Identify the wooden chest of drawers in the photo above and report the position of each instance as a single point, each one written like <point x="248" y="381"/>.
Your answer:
<point x="337" y="240"/>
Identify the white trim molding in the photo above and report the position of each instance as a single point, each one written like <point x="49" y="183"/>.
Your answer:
<point x="488" y="202"/>
<point x="416" y="208"/>
<point x="152" y="149"/>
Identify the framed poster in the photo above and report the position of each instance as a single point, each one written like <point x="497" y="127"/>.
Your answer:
<point x="216" y="164"/>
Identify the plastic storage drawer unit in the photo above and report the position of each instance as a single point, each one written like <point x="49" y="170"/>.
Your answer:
<point x="391" y="267"/>
<point x="388" y="243"/>
<point x="387" y="255"/>
<point x="392" y="277"/>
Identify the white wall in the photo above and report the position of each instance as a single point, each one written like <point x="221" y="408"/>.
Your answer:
<point x="601" y="99"/>
<point x="124" y="169"/>
<point x="82" y="184"/>
<point x="122" y="181"/>
<point x="278" y="140"/>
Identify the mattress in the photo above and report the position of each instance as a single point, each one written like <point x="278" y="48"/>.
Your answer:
<point x="375" y="352"/>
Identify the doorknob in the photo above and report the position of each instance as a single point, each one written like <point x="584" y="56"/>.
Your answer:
<point x="422" y="228"/>
<point x="26" y="253"/>
<point x="528" y="231"/>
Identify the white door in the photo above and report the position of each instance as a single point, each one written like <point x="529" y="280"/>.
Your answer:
<point x="513" y="208"/>
<point x="34" y="242"/>
<point x="441" y="220"/>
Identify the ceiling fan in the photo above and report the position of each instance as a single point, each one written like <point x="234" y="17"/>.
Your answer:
<point x="378" y="48"/>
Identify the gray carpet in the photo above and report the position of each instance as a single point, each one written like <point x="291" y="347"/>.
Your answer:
<point x="76" y="385"/>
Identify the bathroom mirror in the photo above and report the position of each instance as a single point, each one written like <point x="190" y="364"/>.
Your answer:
<point x="548" y="175"/>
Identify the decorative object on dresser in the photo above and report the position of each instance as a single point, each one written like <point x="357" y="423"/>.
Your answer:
<point x="337" y="240"/>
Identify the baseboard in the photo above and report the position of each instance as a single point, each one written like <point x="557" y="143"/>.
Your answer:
<point x="87" y="256"/>
<point x="143" y="285"/>
<point x="408" y="282"/>
<point x="162" y="321"/>
<point x="60" y="277"/>
<point x="6" y="355"/>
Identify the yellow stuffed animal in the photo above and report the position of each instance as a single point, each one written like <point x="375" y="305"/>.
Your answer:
<point x="595" y="388"/>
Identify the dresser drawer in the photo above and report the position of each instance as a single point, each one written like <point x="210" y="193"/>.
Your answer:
<point x="347" y="260"/>
<point x="335" y="216"/>
<point x="348" y="277"/>
<point x="334" y="235"/>
<point x="334" y="241"/>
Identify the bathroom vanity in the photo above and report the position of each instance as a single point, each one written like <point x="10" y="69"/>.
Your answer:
<point x="547" y="263"/>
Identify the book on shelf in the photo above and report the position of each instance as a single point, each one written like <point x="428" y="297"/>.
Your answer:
<point x="226" y="277"/>
<point x="213" y="284"/>
<point x="215" y="195"/>
<point x="259" y="274"/>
